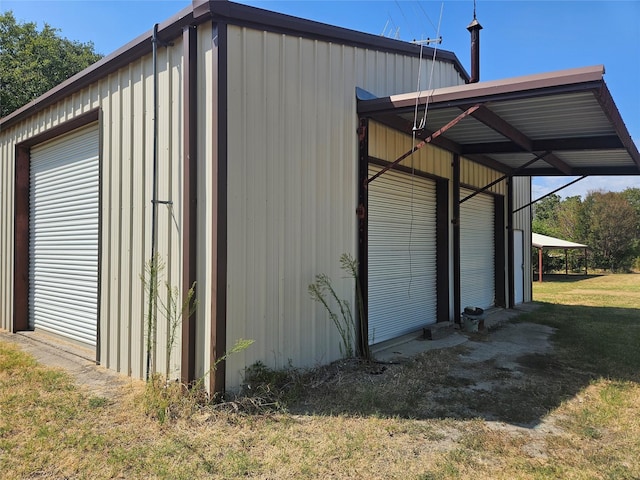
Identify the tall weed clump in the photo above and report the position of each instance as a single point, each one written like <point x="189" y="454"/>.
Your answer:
<point x="322" y="291"/>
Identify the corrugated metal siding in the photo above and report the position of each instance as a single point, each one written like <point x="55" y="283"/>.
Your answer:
<point x="126" y="128"/>
<point x="292" y="185"/>
<point x="522" y="221"/>
<point x="7" y="174"/>
<point x="63" y="236"/>
<point x="476" y="175"/>
<point x="387" y="144"/>
<point x="402" y="254"/>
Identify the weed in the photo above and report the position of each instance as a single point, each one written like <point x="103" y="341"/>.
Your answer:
<point x="322" y="291"/>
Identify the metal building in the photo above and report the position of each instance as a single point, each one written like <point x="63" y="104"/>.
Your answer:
<point x="265" y="141"/>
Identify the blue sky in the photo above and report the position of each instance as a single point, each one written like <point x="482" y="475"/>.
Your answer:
<point x="519" y="38"/>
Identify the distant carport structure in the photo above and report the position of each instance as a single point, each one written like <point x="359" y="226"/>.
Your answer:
<point x="542" y="242"/>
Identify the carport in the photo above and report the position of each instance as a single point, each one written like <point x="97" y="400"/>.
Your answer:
<point x="562" y="123"/>
<point x="542" y="242"/>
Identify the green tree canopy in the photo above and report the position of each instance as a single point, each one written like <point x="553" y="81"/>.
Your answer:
<point x="32" y="61"/>
<point x="609" y="222"/>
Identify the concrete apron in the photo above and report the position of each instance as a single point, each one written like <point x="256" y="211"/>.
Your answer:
<point x="403" y="348"/>
<point x="54" y="352"/>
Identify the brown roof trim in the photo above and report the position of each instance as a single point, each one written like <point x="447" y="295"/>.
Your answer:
<point x="253" y="17"/>
<point x="229" y="12"/>
<point x="611" y="111"/>
<point x="140" y="46"/>
<point x="587" y="78"/>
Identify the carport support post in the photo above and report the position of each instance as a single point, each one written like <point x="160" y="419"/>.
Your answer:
<point x="362" y="322"/>
<point x="540" y="264"/>
<point x="455" y="221"/>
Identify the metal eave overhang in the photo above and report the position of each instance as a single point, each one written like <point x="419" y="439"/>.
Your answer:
<point x="591" y="125"/>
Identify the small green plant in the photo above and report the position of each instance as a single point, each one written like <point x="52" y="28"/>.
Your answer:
<point x="170" y="308"/>
<point x="323" y="292"/>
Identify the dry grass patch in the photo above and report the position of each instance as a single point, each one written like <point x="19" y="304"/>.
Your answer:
<point x="572" y="413"/>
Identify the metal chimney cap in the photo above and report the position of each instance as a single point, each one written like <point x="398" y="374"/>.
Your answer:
<point x="474" y="25"/>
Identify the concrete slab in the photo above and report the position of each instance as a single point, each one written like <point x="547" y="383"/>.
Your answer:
<point x="75" y="360"/>
<point x="403" y="348"/>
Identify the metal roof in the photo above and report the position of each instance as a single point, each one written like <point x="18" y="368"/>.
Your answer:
<point x="566" y="119"/>
<point x="544" y="241"/>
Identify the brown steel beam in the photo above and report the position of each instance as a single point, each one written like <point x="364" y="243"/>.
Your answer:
<point x="404" y="126"/>
<point x="362" y="330"/>
<point x="497" y="123"/>
<point x="427" y="140"/>
<point x="219" y="207"/>
<point x="190" y="199"/>
<point x="609" y="142"/>
<point x="21" y="241"/>
<point x="498" y="180"/>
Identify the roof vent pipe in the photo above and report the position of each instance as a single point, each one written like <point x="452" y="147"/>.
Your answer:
<point x="475" y="27"/>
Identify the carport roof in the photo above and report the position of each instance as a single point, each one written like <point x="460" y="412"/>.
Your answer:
<point x="566" y="119"/>
<point x="544" y="241"/>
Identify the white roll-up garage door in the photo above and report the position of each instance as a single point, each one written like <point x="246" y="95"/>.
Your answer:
<point x="477" y="251"/>
<point x="402" y="254"/>
<point x="63" y="236"/>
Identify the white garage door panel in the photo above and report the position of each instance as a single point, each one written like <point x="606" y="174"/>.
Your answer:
<point x="477" y="251"/>
<point x="402" y="254"/>
<point x="63" y="236"/>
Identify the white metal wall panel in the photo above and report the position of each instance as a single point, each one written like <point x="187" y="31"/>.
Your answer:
<point x="125" y="100"/>
<point x="477" y="251"/>
<point x="63" y="236"/>
<point x="402" y="254"/>
<point x="292" y="185"/>
<point x="522" y="221"/>
<point x="7" y="174"/>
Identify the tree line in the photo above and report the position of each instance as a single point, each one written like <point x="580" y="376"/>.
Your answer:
<point x="34" y="61"/>
<point x="608" y="222"/>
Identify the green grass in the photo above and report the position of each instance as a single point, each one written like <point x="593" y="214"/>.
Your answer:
<point x="407" y="421"/>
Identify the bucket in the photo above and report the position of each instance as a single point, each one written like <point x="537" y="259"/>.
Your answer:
<point x="471" y="318"/>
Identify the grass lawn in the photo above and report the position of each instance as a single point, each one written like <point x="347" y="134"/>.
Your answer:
<point x="404" y="421"/>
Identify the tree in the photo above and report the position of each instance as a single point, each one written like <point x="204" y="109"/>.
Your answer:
<point x="611" y="224"/>
<point x="32" y="62"/>
<point x="545" y="216"/>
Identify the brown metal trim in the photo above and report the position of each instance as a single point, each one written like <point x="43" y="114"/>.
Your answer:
<point x="256" y="18"/>
<point x="21" y="218"/>
<point x="499" y="232"/>
<point x="401" y="168"/>
<point x="608" y="142"/>
<point x="579" y="171"/>
<point x="190" y="196"/>
<point x="362" y="330"/>
<point x="613" y="114"/>
<point x="455" y="221"/>
<point x="227" y="12"/>
<point x="531" y="86"/>
<point x="21" y="241"/>
<point x="62" y="128"/>
<point x="219" y="220"/>
<point x="442" y="250"/>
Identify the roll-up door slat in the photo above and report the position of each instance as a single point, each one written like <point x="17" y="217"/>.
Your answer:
<point x="63" y="236"/>
<point x="477" y="251"/>
<point x="402" y="254"/>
